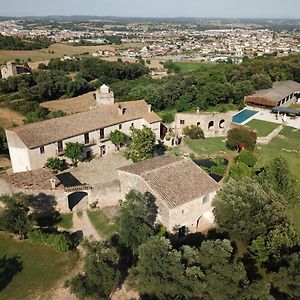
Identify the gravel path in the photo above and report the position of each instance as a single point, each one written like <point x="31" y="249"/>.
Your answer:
<point x="82" y="223"/>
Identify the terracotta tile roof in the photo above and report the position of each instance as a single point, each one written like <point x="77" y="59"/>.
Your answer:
<point x="50" y="131"/>
<point x="32" y="180"/>
<point x="175" y="180"/>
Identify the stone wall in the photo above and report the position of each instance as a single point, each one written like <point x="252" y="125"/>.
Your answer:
<point x="187" y="214"/>
<point x="212" y="124"/>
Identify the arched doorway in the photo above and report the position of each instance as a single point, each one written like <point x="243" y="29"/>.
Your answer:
<point x="75" y="198"/>
<point x="211" y="125"/>
<point x="222" y="124"/>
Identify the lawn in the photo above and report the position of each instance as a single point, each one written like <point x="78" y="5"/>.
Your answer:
<point x="208" y="146"/>
<point x="287" y="140"/>
<point x="102" y="223"/>
<point x="41" y="268"/>
<point x="194" y="66"/>
<point x="66" y="221"/>
<point x="262" y="128"/>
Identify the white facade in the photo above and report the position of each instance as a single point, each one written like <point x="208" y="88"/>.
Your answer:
<point x="25" y="159"/>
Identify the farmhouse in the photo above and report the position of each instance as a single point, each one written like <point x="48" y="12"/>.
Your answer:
<point x="283" y="93"/>
<point x="31" y="145"/>
<point x="183" y="193"/>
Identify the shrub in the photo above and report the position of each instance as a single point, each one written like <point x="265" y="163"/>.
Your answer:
<point x="247" y="158"/>
<point x="53" y="163"/>
<point x="193" y="132"/>
<point x="240" y="171"/>
<point x="241" y="135"/>
<point x="59" y="241"/>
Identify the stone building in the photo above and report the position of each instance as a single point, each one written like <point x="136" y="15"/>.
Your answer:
<point x="183" y="192"/>
<point x="31" y="145"/>
<point x="212" y="124"/>
<point x="11" y="69"/>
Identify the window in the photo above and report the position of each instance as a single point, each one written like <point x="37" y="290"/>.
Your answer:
<point x="42" y="150"/>
<point x="120" y="126"/>
<point x="182" y="231"/>
<point x="182" y="212"/>
<point x="101" y="133"/>
<point x="198" y="124"/>
<point x="60" y="147"/>
<point x="182" y="122"/>
<point x="132" y="125"/>
<point x="86" y="138"/>
<point x="205" y="199"/>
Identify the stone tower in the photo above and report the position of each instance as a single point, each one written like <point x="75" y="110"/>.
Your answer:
<point x="8" y="70"/>
<point x="104" y="95"/>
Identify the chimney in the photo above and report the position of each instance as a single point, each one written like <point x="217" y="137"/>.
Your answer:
<point x="53" y="183"/>
<point x="120" y="110"/>
<point x="149" y="107"/>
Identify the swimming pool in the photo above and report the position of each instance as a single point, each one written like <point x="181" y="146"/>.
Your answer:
<point x="243" y="115"/>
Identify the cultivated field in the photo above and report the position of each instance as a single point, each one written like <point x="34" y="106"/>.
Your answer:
<point x="59" y="50"/>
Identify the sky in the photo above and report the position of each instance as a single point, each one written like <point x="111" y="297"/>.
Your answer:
<point x="154" y="8"/>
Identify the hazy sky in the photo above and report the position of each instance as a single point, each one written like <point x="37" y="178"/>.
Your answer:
<point x="155" y="8"/>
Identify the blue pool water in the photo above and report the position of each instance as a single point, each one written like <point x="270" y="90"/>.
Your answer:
<point x="243" y="115"/>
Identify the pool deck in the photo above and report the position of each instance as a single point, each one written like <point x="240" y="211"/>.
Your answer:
<point x="266" y="115"/>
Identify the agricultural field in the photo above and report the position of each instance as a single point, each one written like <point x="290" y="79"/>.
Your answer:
<point x="45" y="54"/>
<point x="29" y="274"/>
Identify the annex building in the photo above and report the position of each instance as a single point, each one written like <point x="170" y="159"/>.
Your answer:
<point x="31" y="145"/>
<point x="183" y="192"/>
<point x="283" y="93"/>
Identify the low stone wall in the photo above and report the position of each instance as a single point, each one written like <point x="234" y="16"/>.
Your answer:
<point x="267" y="139"/>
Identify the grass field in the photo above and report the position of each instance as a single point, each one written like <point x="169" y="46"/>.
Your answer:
<point x="41" y="268"/>
<point x="262" y="128"/>
<point x="193" y="66"/>
<point x="10" y="118"/>
<point x="44" y="55"/>
<point x="101" y="223"/>
<point x="208" y="146"/>
<point x="288" y="140"/>
<point x="66" y="221"/>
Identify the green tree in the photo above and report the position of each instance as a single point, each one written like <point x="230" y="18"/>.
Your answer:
<point x="247" y="158"/>
<point x="287" y="279"/>
<point x="246" y="210"/>
<point x="160" y="273"/>
<point x="101" y="273"/>
<point x="193" y="132"/>
<point x="74" y="152"/>
<point x="135" y="219"/>
<point x="15" y="218"/>
<point x="277" y="175"/>
<point x="53" y="163"/>
<point x="118" y="138"/>
<point x="241" y="136"/>
<point x="142" y="144"/>
<point x="239" y="171"/>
